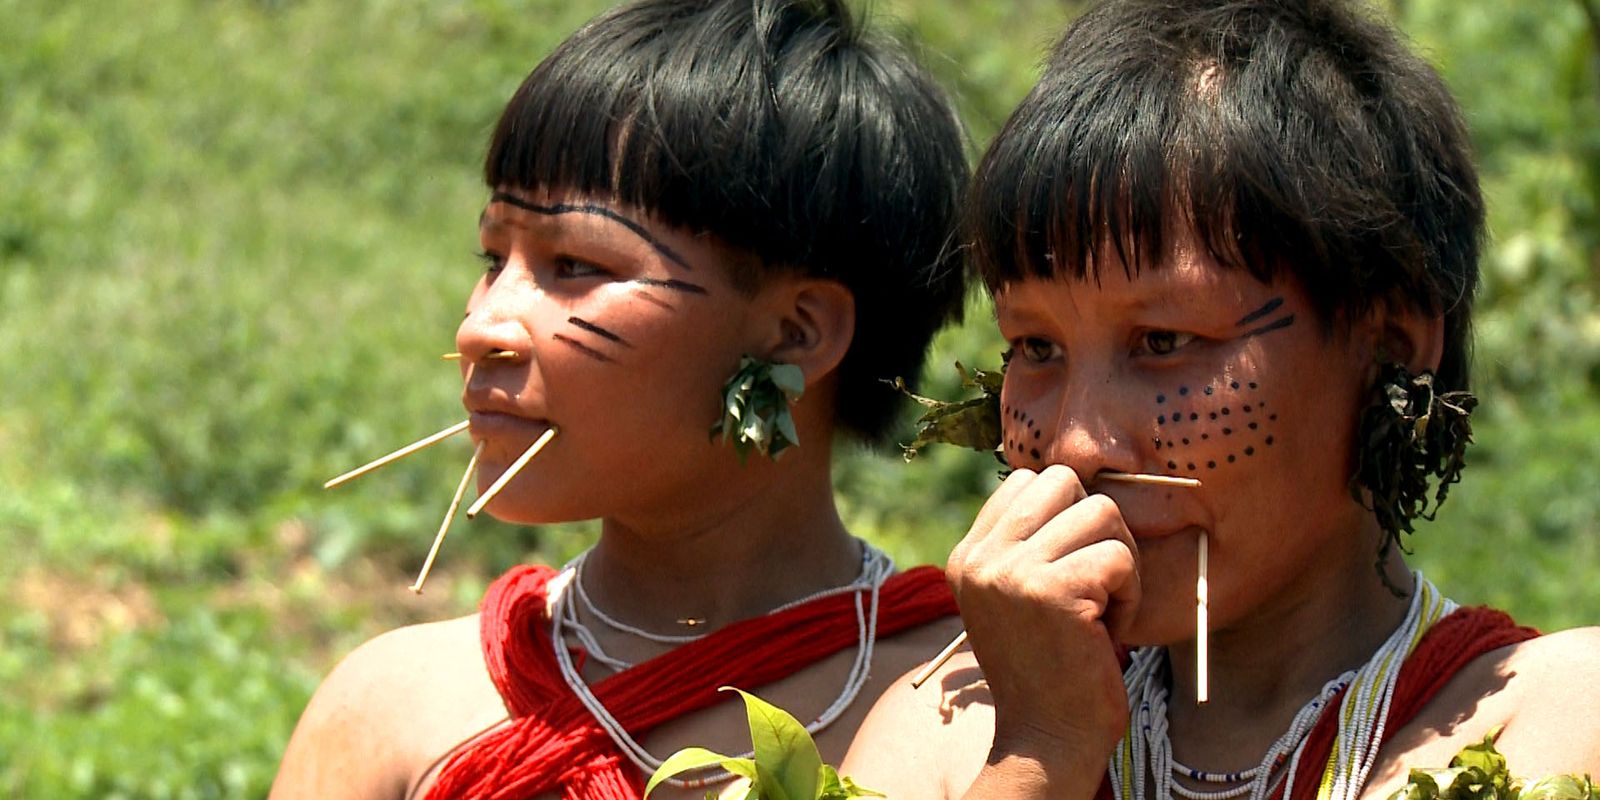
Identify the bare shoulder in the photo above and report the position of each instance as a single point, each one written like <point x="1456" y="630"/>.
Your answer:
<point x="1555" y="682"/>
<point x="1539" y="691"/>
<point x="920" y="742"/>
<point x="386" y="710"/>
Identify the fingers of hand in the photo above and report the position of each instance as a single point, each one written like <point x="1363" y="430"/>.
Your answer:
<point x="1025" y="502"/>
<point x="1080" y="561"/>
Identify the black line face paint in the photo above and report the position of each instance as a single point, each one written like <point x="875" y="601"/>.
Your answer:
<point x="582" y="348"/>
<point x="584" y="324"/>
<point x="597" y="210"/>
<point x="653" y="300"/>
<point x="1270" y="327"/>
<point x="673" y="284"/>
<point x="1270" y="306"/>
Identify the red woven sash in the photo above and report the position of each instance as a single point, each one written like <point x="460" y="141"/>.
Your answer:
<point x="552" y="744"/>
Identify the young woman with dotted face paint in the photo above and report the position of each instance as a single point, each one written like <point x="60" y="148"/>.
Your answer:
<point x="682" y="186"/>
<point x="1193" y="370"/>
<point x="1212" y="232"/>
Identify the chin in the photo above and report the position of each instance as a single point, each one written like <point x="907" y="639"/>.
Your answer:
<point x="1164" y="619"/>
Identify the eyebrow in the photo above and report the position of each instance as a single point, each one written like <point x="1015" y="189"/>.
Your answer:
<point x="596" y="210"/>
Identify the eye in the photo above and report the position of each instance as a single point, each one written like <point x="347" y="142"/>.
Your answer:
<point x="492" y="262"/>
<point x="1161" y="343"/>
<point x="1033" y="350"/>
<point x="567" y="267"/>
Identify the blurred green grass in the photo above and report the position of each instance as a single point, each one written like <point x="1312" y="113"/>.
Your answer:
<point x="233" y="236"/>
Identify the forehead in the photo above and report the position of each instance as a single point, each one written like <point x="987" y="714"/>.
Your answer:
<point x="1187" y="278"/>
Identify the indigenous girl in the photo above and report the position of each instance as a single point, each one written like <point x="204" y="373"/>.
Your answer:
<point x="683" y="189"/>
<point x="1235" y="241"/>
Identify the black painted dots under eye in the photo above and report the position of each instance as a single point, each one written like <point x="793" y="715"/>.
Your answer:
<point x="1222" y="424"/>
<point x="1017" y="445"/>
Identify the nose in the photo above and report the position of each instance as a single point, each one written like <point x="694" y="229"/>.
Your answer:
<point x="1086" y="429"/>
<point x="499" y="318"/>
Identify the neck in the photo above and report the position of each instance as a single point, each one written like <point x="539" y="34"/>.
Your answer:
<point x="1265" y="667"/>
<point x="729" y="555"/>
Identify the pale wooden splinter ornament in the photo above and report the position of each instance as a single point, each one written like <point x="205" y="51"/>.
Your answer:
<point x="449" y="516"/>
<point x="492" y="354"/>
<point x="398" y="454"/>
<point x="511" y="472"/>
<point x="1202" y="653"/>
<point x="955" y="644"/>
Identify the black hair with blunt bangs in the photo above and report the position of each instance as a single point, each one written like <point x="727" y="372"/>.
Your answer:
<point x="1292" y="138"/>
<point x="779" y="128"/>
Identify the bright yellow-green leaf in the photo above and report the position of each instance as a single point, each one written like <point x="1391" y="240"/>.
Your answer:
<point x="786" y="757"/>
<point x="692" y="758"/>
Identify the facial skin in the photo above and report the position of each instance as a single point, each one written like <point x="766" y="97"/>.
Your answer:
<point x="1197" y="371"/>
<point x="625" y="329"/>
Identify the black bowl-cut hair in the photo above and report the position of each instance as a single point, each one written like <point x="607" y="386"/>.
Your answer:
<point x="1290" y="137"/>
<point x="780" y="128"/>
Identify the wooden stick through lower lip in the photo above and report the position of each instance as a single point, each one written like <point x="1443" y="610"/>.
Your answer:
<point x="511" y="472"/>
<point x="1202" y="654"/>
<point x="955" y="644"/>
<point x="449" y="516"/>
<point x="398" y="454"/>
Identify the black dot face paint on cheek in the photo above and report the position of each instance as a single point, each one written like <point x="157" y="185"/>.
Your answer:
<point x="1183" y="391"/>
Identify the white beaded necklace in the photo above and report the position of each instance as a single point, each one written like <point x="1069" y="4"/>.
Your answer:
<point x="876" y="567"/>
<point x="1144" y="756"/>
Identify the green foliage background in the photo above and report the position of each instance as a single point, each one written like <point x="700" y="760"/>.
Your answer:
<point x="233" y="236"/>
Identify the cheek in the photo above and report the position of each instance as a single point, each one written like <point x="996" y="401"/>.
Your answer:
<point x="1022" y="433"/>
<point x="1217" y="426"/>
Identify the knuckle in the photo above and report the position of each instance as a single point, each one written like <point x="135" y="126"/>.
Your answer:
<point x="1101" y="510"/>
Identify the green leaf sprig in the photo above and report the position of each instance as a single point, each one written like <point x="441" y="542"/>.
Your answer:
<point x="972" y="423"/>
<point x="755" y="407"/>
<point x="1409" y="434"/>
<point x="1480" y="772"/>
<point x="786" y="764"/>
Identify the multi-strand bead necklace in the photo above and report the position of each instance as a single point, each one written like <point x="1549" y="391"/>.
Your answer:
<point x="1143" y="759"/>
<point x="876" y="567"/>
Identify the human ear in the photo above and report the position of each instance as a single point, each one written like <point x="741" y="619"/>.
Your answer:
<point x="811" y="325"/>
<point x="1410" y="336"/>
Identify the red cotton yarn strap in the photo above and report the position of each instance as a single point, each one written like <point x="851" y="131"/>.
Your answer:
<point x="553" y="744"/>
<point x="1448" y="647"/>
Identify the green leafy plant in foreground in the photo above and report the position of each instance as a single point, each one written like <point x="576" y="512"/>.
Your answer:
<point x="785" y="766"/>
<point x="1479" y="772"/>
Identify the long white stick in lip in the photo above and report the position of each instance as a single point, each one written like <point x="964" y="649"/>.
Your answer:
<point x="955" y="644"/>
<point x="449" y="516"/>
<point x="1202" y="654"/>
<point x="398" y="454"/>
<point x="511" y="472"/>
